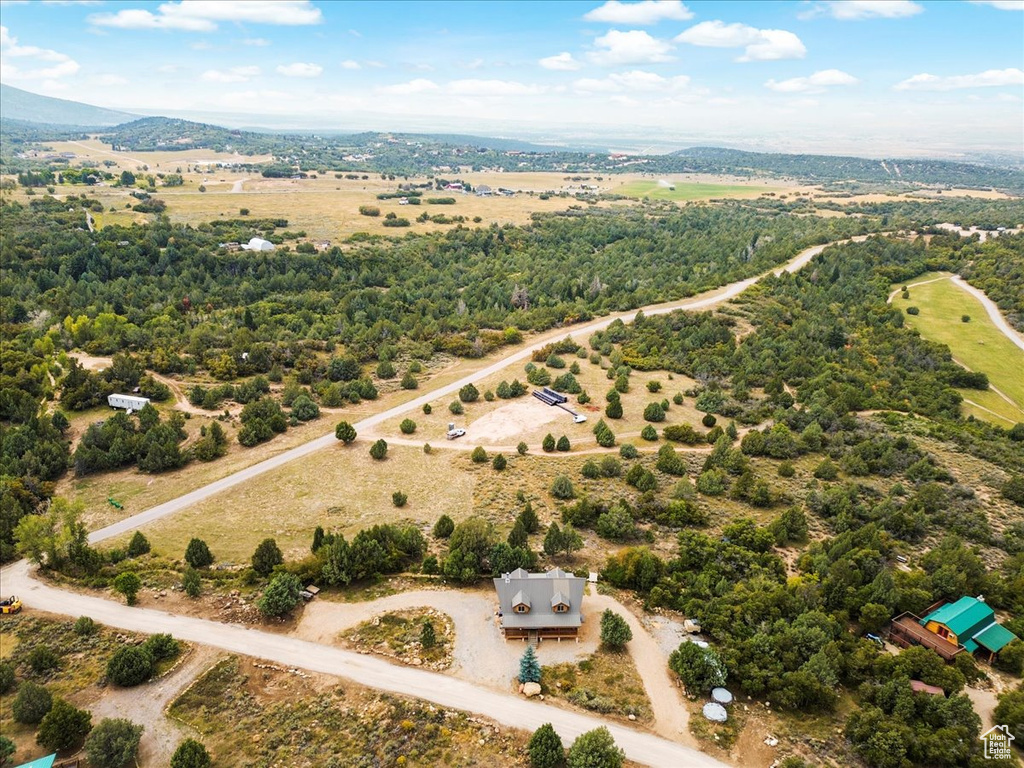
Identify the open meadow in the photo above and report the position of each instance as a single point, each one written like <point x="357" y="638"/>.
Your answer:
<point x="976" y="344"/>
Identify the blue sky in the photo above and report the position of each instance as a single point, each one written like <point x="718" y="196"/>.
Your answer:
<point x="870" y="77"/>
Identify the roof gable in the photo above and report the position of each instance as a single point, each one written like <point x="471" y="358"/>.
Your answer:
<point x="964" y="617"/>
<point x="995" y="637"/>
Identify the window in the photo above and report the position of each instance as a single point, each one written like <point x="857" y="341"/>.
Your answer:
<point x="521" y="608"/>
<point x="561" y="608"/>
<point x="943" y="632"/>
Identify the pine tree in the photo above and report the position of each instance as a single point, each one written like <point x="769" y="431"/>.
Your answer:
<point x="553" y="540"/>
<point x="529" y="667"/>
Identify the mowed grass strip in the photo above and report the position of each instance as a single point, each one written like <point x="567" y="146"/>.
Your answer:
<point x="681" y="190"/>
<point x="978" y="344"/>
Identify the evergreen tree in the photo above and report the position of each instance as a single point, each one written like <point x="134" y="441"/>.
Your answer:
<point x="529" y="667"/>
<point x="266" y="557"/>
<point x="545" y="748"/>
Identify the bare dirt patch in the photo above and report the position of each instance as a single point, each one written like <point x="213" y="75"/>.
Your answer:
<point x="510" y="422"/>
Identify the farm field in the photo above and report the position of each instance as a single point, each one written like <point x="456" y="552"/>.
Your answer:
<point x="977" y="344"/>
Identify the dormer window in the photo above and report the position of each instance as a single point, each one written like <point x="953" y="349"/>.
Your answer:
<point x="520" y="603"/>
<point x="559" y="603"/>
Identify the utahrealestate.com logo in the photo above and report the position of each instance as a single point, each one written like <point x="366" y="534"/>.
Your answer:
<point x="997" y="743"/>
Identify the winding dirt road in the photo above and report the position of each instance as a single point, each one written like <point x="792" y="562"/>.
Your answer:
<point x="446" y="691"/>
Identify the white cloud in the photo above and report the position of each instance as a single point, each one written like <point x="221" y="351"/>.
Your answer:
<point x="258" y="42"/>
<point x="203" y="15"/>
<point x="43" y="63"/>
<point x="419" y="85"/>
<point x="992" y="78"/>
<point x="633" y="81"/>
<point x="232" y="75"/>
<point x="758" y="44"/>
<point x="561" y="62"/>
<point x="417" y="66"/>
<point x="168" y="69"/>
<point x="854" y="10"/>
<point x="1002" y="5"/>
<point x="107" y="81"/>
<point x="642" y="13"/>
<point x="632" y="47"/>
<point x="815" y="83"/>
<point x="492" y="88"/>
<point x="350" y="64"/>
<point x="300" y="69"/>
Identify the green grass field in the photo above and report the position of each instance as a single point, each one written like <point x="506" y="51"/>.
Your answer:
<point x="684" y="191"/>
<point x="978" y="344"/>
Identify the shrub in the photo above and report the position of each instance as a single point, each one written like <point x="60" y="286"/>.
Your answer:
<point x="63" y="727"/>
<point x="409" y="381"/>
<point x="654" y="412"/>
<point x="590" y="470"/>
<point x="563" y="444"/>
<point x="379" y="450"/>
<point x="545" y="748"/>
<point x="161" y="646"/>
<point x="649" y="433"/>
<point x="699" y="668"/>
<point x="369" y="210"/>
<point x="479" y="455"/>
<point x="443" y="527"/>
<point x="6" y="677"/>
<point x="548" y="443"/>
<point x="345" y="432"/>
<point x="408" y="426"/>
<point x="499" y="463"/>
<point x="427" y="409"/>
<point x="281" y="595"/>
<point x="786" y="469"/>
<point x="677" y="398"/>
<point x="615" y="632"/>
<point x="129" y="666"/>
<point x="42" y="659"/>
<point x="826" y="470"/>
<point x="613" y="410"/>
<point x="469" y="394"/>
<point x="428" y="637"/>
<point x="913" y="311"/>
<point x="266" y="557"/>
<point x="456" y="408"/>
<point x="708" y="420"/>
<point x="595" y="749"/>
<point x="31" y="704"/>
<point x="628" y="451"/>
<point x="190" y="754"/>
<point x="139" y="545"/>
<point x="653" y="386"/>
<point x="562" y="488"/>
<point x="192" y="583"/>
<point x="610" y="467"/>
<point x="197" y="554"/>
<point x="965" y="318"/>
<point x="399" y="499"/>
<point x="114" y="743"/>
<point x="522" y="448"/>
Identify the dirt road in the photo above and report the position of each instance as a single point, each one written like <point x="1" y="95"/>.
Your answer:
<point x="704" y="301"/>
<point x="446" y="691"/>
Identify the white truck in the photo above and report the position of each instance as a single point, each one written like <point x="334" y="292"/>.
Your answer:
<point x="454" y="432"/>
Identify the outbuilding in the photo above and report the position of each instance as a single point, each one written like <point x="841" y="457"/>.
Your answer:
<point x="258" y="244"/>
<point x="130" y="403"/>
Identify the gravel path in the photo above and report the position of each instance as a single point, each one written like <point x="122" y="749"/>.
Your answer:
<point x="145" y="704"/>
<point x="447" y="691"/>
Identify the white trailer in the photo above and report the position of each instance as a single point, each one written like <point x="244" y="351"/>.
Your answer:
<point x="130" y="403"/>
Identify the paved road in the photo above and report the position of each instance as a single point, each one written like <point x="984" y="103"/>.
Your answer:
<point x="507" y="709"/>
<point x="704" y="301"/>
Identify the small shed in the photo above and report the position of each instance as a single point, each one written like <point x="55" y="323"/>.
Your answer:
<point x="918" y="686"/>
<point x="258" y="244"/>
<point x="41" y="762"/>
<point x="129" y="402"/>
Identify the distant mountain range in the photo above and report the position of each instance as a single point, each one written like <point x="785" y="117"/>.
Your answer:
<point x="28" y="118"/>
<point x="33" y="108"/>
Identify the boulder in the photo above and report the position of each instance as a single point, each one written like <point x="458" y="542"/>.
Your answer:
<point x="531" y="689"/>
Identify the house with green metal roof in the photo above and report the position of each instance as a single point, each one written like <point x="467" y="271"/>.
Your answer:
<point x="971" y="624"/>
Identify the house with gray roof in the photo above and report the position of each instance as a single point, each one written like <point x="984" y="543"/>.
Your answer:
<point x="540" y="605"/>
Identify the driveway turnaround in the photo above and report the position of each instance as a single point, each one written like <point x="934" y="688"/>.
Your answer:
<point x="507" y="709"/>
